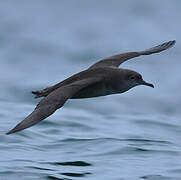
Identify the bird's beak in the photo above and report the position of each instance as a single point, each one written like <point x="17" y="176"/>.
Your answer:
<point x="147" y="84"/>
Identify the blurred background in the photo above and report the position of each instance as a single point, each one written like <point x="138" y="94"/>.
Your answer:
<point x="130" y="136"/>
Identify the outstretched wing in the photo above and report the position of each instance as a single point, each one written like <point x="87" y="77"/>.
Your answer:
<point x="118" y="59"/>
<point x="52" y="102"/>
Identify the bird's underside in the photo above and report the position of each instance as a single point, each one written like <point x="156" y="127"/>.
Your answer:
<point x="102" y="78"/>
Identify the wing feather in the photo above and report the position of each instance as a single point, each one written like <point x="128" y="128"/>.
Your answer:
<point x="118" y="59"/>
<point x="52" y="102"/>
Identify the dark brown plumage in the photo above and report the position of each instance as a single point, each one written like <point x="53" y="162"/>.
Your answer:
<point x="102" y="78"/>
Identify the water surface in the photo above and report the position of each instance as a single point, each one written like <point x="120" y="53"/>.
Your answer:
<point x="133" y="136"/>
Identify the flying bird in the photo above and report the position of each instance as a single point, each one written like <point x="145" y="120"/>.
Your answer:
<point x="101" y="79"/>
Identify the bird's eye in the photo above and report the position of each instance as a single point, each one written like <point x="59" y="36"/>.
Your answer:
<point x="132" y="77"/>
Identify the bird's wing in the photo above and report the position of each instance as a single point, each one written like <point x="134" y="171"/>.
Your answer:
<point x="115" y="61"/>
<point x="52" y="102"/>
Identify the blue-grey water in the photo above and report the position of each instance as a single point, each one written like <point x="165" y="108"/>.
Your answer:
<point x="130" y="136"/>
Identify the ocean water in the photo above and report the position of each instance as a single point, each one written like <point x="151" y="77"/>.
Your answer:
<point x="130" y="136"/>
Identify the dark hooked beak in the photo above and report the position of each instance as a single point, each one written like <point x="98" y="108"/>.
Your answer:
<point x="147" y="84"/>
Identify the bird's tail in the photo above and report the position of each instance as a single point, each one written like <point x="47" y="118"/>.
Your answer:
<point x="38" y="94"/>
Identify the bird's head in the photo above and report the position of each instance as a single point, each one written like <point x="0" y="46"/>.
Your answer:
<point x="132" y="79"/>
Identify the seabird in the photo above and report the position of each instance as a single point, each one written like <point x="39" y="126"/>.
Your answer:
<point x="101" y="79"/>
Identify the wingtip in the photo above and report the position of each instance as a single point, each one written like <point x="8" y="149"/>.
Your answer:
<point x="9" y="132"/>
<point x="158" y="48"/>
<point x="12" y="131"/>
<point x="168" y="44"/>
<point x="17" y="128"/>
<point x="172" y="42"/>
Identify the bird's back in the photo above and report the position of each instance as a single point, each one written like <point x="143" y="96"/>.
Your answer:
<point x="103" y="72"/>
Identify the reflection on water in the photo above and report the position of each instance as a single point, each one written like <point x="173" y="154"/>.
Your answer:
<point x="135" y="135"/>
